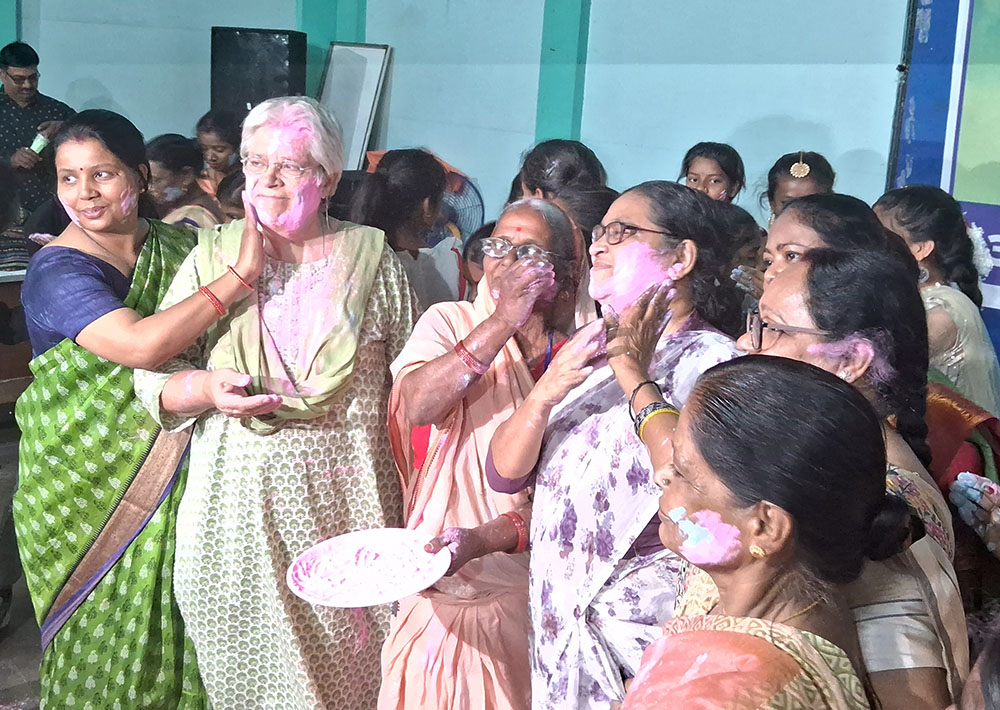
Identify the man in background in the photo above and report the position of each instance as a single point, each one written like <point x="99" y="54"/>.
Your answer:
<point x="28" y="121"/>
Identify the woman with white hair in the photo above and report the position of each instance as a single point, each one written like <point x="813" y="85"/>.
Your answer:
<point x="287" y="394"/>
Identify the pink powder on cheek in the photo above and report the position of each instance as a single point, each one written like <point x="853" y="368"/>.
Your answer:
<point x="70" y="212"/>
<point x="305" y="203"/>
<point x="637" y="267"/>
<point x="709" y="541"/>
<point x="129" y="201"/>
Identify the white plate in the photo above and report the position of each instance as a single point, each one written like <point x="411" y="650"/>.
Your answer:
<point x="366" y="568"/>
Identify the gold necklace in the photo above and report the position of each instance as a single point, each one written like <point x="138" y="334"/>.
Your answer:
<point x="799" y="613"/>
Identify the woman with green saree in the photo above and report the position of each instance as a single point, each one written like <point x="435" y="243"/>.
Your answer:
<point x="99" y="483"/>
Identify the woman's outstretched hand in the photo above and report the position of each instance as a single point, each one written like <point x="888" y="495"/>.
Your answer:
<point x="250" y="262"/>
<point x="465" y="545"/>
<point x="571" y="365"/>
<point x="978" y="503"/>
<point x="633" y="334"/>
<point x="749" y="279"/>
<point x="519" y="286"/>
<point x="226" y="390"/>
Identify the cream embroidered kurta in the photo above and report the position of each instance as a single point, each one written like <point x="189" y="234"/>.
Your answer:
<point x="254" y="503"/>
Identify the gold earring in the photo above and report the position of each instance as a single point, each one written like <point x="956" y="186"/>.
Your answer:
<point x="757" y="552"/>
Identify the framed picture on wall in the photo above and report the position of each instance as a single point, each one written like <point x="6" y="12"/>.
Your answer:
<point x="351" y="87"/>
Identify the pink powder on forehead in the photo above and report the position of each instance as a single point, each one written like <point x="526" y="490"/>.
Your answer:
<point x="637" y="267"/>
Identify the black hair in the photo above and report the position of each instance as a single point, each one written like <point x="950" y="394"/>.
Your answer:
<point x="176" y="152"/>
<point x="842" y="221"/>
<point x="800" y="438"/>
<point x="928" y="213"/>
<point x="690" y="214"/>
<point x="820" y="172"/>
<point x="516" y="191"/>
<point x="393" y="195"/>
<point x="230" y="190"/>
<point x="8" y="196"/>
<point x="586" y="207"/>
<point x="473" y="249"/>
<point x="120" y="136"/>
<point x="556" y="164"/>
<point x="18" y="54"/>
<point x="223" y="123"/>
<point x="723" y="154"/>
<point x="873" y="294"/>
<point x="739" y="230"/>
<point x="989" y="672"/>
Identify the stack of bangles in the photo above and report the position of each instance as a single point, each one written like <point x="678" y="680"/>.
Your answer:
<point x="522" y="531"/>
<point x="214" y="300"/>
<point x="650" y="412"/>
<point x="471" y="362"/>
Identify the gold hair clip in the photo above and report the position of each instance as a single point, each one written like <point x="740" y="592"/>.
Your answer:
<point x="799" y="169"/>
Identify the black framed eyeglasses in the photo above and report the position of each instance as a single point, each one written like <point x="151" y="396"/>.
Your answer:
<point x="25" y="79"/>
<point x="617" y="232"/>
<point x="756" y="327"/>
<point x="498" y="248"/>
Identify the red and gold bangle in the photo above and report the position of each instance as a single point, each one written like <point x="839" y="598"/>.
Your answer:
<point x="216" y="303"/>
<point x="472" y="363"/>
<point x="239" y="278"/>
<point x="522" y="531"/>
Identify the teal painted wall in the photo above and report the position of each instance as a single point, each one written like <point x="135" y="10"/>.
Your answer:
<point x="8" y="21"/>
<point x="769" y="77"/>
<point x="562" y="69"/>
<point x="326" y="21"/>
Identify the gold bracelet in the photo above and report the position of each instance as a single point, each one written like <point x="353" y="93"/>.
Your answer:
<point x="642" y="427"/>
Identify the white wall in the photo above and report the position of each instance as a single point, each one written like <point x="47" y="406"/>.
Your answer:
<point x="463" y="83"/>
<point x="147" y="59"/>
<point x="768" y="77"/>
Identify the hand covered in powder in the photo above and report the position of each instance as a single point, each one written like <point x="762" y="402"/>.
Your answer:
<point x="633" y="335"/>
<point x="571" y="365"/>
<point x="519" y="286"/>
<point x="749" y="279"/>
<point x="250" y="261"/>
<point x="465" y="545"/>
<point x="226" y="390"/>
<point x="978" y="503"/>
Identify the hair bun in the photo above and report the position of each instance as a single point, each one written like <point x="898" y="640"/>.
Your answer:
<point x="889" y="529"/>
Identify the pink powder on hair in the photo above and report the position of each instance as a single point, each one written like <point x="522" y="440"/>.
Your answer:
<point x="708" y="540"/>
<point x="879" y="371"/>
<point x="129" y="201"/>
<point x="637" y="267"/>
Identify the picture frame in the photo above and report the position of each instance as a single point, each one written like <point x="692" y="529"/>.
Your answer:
<point x="351" y="87"/>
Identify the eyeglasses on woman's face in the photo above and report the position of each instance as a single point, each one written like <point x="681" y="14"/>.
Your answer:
<point x="756" y="327"/>
<point x="498" y="248"/>
<point x="259" y="165"/>
<point x="617" y="232"/>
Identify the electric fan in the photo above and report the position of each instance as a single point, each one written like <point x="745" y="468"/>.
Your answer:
<point x="461" y="213"/>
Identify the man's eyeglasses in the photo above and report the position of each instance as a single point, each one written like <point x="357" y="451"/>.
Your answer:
<point x="617" y="232"/>
<point x="756" y="327"/>
<point x="258" y="165"/>
<point x="498" y="248"/>
<point x="23" y="80"/>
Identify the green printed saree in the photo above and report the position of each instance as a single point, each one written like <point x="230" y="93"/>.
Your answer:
<point x="95" y="515"/>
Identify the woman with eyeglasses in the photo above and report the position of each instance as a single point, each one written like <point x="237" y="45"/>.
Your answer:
<point x="858" y="315"/>
<point x="464" y="643"/>
<point x="601" y="582"/>
<point x="287" y="396"/>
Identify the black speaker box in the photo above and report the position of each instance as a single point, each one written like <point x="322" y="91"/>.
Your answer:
<point x="251" y="65"/>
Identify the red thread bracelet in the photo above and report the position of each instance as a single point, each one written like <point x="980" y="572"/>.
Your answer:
<point x="471" y="362"/>
<point x="522" y="531"/>
<point x="216" y="303"/>
<point x="239" y="278"/>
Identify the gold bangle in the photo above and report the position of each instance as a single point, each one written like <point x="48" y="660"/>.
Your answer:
<point x="649" y="417"/>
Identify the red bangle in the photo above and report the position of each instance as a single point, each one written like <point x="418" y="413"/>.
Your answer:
<point x="239" y="278"/>
<point x="472" y="363"/>
<point x="522" y="531"/>
<point x="216" y="303"/>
